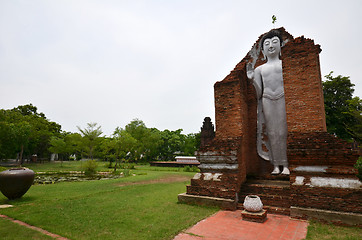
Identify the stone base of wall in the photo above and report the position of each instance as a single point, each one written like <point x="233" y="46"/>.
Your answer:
<point x="221" y="185"/>
<point x="338" y="218"/>
<point x="325" y="191"/>
<point x="271" y="192"/>
<point x="322" y="176"/>
<point x="226" y="204"/>
<point x="219" y="176"/>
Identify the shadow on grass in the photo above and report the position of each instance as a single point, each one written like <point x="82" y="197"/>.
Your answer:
<point x="24" y="199"/>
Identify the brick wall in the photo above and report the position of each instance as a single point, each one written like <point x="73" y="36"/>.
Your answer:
<point x="308" y="142"/>
<point x="319" y="148"/>
<point x="222" y="186"/>
<point x="341" y="198"/>
<point x="303" y="86"/>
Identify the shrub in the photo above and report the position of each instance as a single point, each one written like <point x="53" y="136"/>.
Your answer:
<point x="195" y="169"/>
<point x="2" y="168"/>
<point x="90" y="167"/>
<point x="191" y="169"/>
<point x="187" y="169"/>
<point x="126" y="172"/>
<point x="127" y="166"/>
<point x="358" y="166"/>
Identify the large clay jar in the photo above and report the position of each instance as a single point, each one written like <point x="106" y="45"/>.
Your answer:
<point x="15" y="182"/>
<point x="252" y="203"/>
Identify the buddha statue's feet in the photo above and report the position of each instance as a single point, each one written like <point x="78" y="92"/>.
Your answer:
<point x="285" y="171"/>
<point x="276" y="171"/>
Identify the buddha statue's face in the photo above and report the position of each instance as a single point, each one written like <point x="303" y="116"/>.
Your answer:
<point x="271" y="47"/>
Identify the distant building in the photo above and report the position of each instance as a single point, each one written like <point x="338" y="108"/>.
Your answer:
<point x="188" y="159"/>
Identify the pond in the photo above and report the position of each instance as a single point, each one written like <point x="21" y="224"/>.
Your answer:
<point x="51" y="178"/>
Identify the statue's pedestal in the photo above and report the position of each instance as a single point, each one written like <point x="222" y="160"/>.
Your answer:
<point x="259" y="217"/>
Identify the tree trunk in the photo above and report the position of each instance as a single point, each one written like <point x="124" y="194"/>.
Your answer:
<point x="115" y="165"/>
<point x="21" y="155"/>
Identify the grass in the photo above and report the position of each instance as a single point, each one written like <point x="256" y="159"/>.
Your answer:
<point x="109" y="209"/>
<point x="135" y="207"/>
<point x="321" y="231"/>
<point x="8" y="228"/>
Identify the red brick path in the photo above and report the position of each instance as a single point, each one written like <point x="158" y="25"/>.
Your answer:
<point x="55" y="236"/>
<point x="227" y="225"/>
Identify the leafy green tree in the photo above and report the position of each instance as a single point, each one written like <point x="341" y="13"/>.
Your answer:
<point x="7" y="143"/>
<point x="192" y="143"/>
<point x="24" y="131"/>
<point x="149" y="144"/>
<point x="108" y="150"/>
<point x="343" y="112"/>
<point x="148" y="140"/>
<point x="74" y="144"/>
<point x="41" y="130"/>
<point x="21" y="132"/>
<point x="125" y="145"/>
<point x="173" y="142"/>
<point x="91" y="138"/>
<point x="58" y="146"/>
<point x="355" y="113"/>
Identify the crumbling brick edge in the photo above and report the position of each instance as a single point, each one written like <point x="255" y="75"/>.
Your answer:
<point x="334" y="217"/>
<point x="223" y="203"/>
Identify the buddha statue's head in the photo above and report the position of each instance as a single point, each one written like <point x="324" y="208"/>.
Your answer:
<point x="271" y="43"/>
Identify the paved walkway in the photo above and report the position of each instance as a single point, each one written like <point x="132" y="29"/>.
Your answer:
<point x="228" y="225"/>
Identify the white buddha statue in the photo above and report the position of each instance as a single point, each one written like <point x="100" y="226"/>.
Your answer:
<point x="268" y="82"/>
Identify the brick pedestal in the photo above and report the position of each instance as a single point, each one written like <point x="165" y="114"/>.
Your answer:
<point x="259" y="217"/>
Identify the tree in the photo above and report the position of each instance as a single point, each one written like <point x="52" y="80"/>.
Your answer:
<point x="192" y="143"/>
<point x="343" y="112"/>
<point x="125" y="145"/>
<point x="148" y="140"/>
<point x="149" y="144"/>
<point x="58" y="146"/>
<point x="73" y="143"/>
<point x="173" y="143"/>
<point x="25" y="132"/>
<point x="21" y="132"/>
<point x="7" y="143"/>
<point x="108" y="150"/>
<point x="355" y="113"/>
<point x="91" y="137"/>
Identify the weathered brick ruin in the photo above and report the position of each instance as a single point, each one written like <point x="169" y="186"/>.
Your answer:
<point x="322" y="174"/>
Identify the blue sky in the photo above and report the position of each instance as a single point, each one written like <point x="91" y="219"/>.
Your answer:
<point x="113" y="61"/>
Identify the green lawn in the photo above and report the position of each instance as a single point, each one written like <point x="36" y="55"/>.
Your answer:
<point x="13" y="231"/>
<point x="321" y="231"/>
<point x="142" y="206"/>
<point x="109" y="209"/>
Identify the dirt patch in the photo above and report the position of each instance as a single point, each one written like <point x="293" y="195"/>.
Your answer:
<point x="167" y="179"/>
